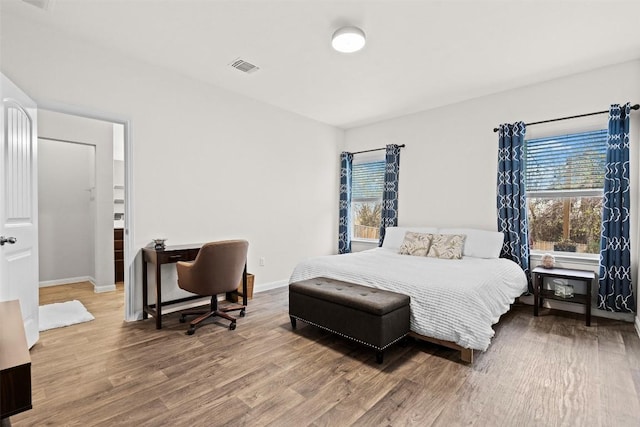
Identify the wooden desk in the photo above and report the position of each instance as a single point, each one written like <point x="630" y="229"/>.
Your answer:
<point x="15" y="362"/>
<point x="586" y="276"/>
<point x="168" y="255"/>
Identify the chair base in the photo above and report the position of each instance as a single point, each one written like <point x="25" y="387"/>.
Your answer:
<point x="214" y="311"/>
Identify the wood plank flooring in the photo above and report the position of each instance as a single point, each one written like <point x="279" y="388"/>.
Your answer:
<point x="545" y="371"/>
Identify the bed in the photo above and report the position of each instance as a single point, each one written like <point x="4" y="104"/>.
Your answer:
<point x="454" y="302"/>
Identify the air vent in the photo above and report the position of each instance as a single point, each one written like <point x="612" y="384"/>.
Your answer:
<point x="244" y="66"/>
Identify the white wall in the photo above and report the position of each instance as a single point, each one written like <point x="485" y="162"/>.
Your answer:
<point x="65" y="233"/>
<point x="448" y="168"/>
<point x="208" y="164"/>
<point x="98" y="134"/>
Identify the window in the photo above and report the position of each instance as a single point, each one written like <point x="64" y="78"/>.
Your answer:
<point x="366" y="199"/>
<point x="565" y="179"/>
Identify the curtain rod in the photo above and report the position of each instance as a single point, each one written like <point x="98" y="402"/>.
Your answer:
<point x="375" y="149"/>
<point x="633" y="107"/>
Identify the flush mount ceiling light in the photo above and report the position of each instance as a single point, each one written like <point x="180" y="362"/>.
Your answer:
<point x="348" y="39"/>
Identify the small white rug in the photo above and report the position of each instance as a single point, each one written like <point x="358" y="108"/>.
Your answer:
<point x="63" y="314"/>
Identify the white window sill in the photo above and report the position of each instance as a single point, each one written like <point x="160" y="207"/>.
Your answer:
<point x="373" y="242"/>
<point x="564" y="257"/>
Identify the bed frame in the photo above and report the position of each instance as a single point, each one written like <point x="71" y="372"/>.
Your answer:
<point x="466" y="354"/>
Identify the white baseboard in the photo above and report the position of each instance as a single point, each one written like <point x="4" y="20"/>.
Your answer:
<point x="637" y="322"/>
<point x="186" y="305"/>
<point x="67" y="281"/>
<point x="97" y="289"/>
<point x="271" y="285"/>
<point x="106" y="288"/>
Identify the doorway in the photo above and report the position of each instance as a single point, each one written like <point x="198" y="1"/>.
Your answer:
<point x="106" y="192"/>
<point x="66" y="212"/>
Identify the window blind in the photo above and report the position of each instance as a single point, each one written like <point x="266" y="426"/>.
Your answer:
<point x="367" y="180"/>
<point x="569" y="162"/>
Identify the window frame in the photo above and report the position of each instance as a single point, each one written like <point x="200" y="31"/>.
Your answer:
<point x="561" y="195"/>
<point x="363" y="159"/>
<point x="578" y="257"/>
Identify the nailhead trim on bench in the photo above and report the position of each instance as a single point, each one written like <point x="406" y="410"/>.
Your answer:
<point x="347" y="336"/>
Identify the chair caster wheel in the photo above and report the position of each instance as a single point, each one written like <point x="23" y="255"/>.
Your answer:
<point x="190" y="331"/>
<point x="242" y="313"/>
<point x="182" y="319"/>
<point x="232" y="326"/>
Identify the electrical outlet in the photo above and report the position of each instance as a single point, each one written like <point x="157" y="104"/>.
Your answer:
<point x="261" y="261"/>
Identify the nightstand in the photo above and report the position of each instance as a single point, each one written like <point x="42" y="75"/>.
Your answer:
<point x="539" y="273"/>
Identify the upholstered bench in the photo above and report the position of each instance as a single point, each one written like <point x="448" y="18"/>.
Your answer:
<point x="374" y="317"/>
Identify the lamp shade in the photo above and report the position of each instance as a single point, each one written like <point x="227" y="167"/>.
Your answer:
<point x="348" y="39"/>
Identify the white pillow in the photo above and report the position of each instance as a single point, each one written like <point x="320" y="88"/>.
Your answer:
<point x="479" y="243"/>
<point x="394" y="236"/>
<point x="447" y="246"/>
<point x="416" y="244"/>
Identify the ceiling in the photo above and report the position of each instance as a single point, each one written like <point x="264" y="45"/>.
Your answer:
<point x="419" y="54"/>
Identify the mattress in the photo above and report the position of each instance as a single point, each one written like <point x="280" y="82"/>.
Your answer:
<point x="451" y="300"/>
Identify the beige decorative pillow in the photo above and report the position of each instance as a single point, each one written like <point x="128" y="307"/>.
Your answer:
<point x="416" y="244"/>
<point x="447" y="246"/>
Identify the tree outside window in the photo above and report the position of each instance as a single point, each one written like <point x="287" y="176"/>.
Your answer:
<point x="565" y="224"/>
<point x="367" y="216"/>
<point x="366" y="199"/>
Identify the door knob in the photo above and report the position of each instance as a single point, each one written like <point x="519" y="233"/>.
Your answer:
<point x="4" y="240"/>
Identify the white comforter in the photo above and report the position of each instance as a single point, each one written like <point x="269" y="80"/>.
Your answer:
<point x="452" y="300"/>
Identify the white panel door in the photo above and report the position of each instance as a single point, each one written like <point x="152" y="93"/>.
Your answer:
<point x="19" y="204"/>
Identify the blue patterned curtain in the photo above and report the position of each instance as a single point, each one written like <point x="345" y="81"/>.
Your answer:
<point x="512" y="199"/>
<point x="344" y="226"/>
<point x="615" y="291"/>
<point x="389" y="213"/>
